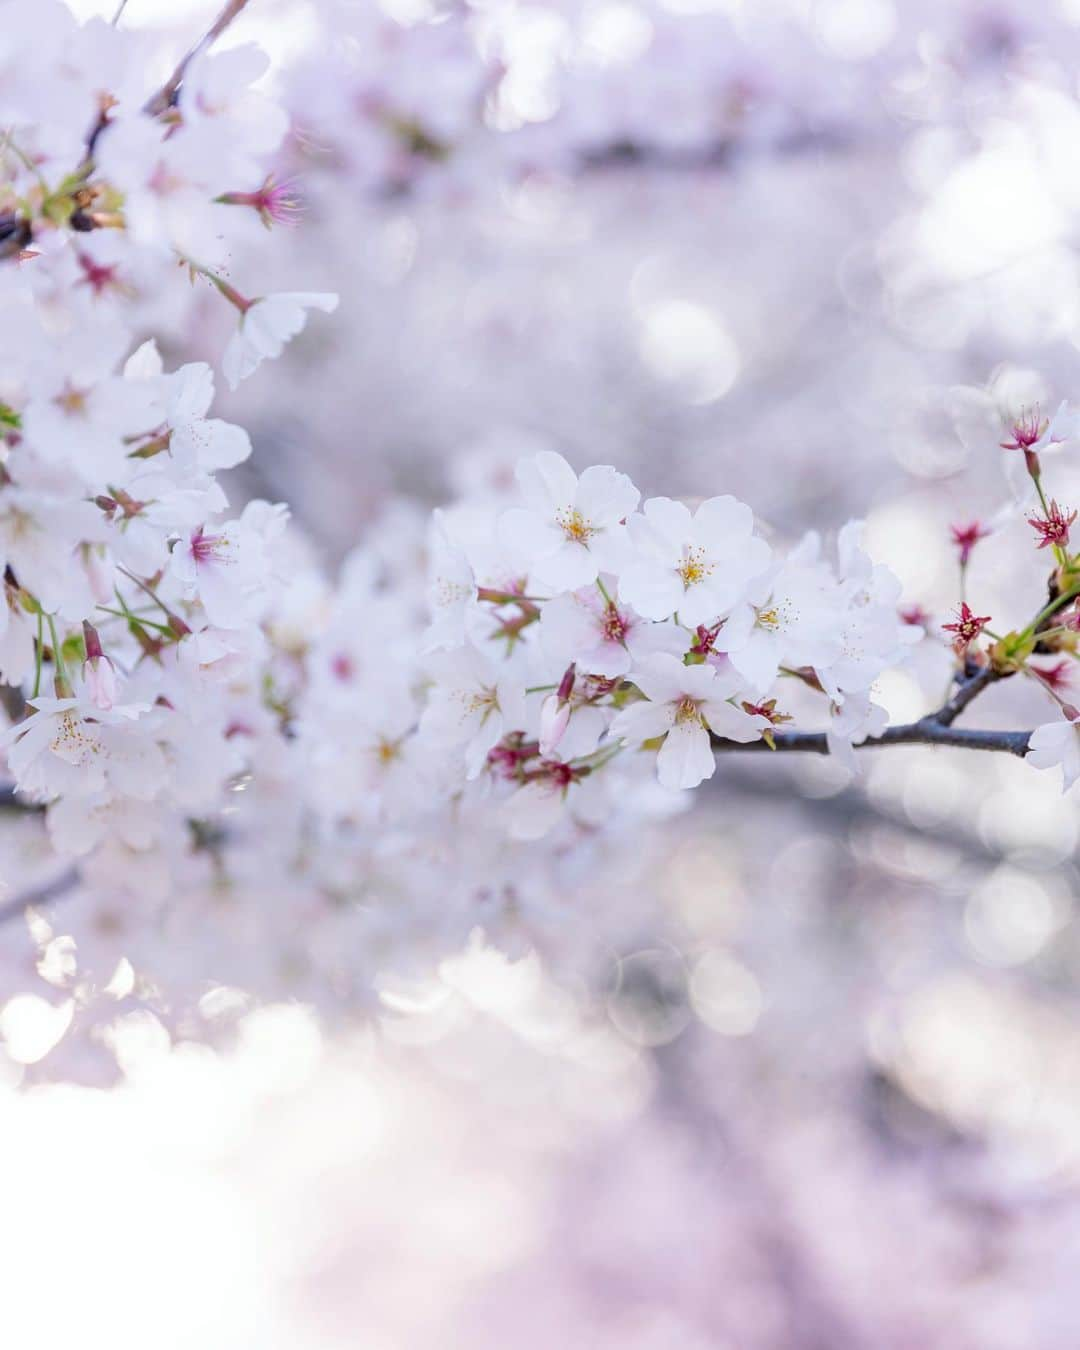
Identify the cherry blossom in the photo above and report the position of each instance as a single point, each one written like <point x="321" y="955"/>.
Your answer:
<point x="698" y="565"/>
<point x="472" y="705"/>
<point x="67" y="746"/>
<point x="683" y="704"/>
<point x="225" y="566"/>
<point x="266" y="325"/>
<point x="1053" y="529"/>
<point x="1057" y="745"/>
<point x="967" y="627"/>
<point x="572" y="528"/>
<point x="791" y="618"/>
<point x="965" y="537"/>
<point x="603" y="635"/>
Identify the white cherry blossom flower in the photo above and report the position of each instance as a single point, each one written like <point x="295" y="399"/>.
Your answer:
<point x="226" y="566"/>
<point x="69" y="746"/>
<point x="697" y="565"/>
<point x="571" y="728"/>
<point x="534" y="810"/>
<point x="871" y="636"/>
<point x="41" y="536"/>
<point x="219" y="104"/>
<point x="78" y="824"/>
<point x="603" y="635"/>
<point x="472" y="704"/>
<point x="850" y="723"/>
<point x="194" y="442"/>
<point x="792" y="619"/>
<point x="684" y="704"/>
<point x="80" y="413"/>
<point x="452" y="596"/>
<point x="367" y="765"/>
<point x="1054" y="745"/>
<point x="571" y="528"/>
<point x="266" y="326"/>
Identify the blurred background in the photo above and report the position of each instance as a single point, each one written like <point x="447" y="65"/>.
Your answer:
<point x="797" y="1069"/>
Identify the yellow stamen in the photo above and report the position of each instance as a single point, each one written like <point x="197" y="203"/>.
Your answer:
<point x="574" y="525"/>
<point x="694" y="567"/>
<point x="687" y="711"/>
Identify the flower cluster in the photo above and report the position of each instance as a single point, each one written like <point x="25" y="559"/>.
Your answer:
<point x="130" y="628"/>
<point x="584" y="656"/>
<point x="585" y="623"/>
<point x="478" y="93"/>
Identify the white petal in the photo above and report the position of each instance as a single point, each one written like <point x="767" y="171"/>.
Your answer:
<point x="653" y="590"/>
<point x="686" y="758"/>
<point x="661" y="678"/>
<point x="642" y="721"/>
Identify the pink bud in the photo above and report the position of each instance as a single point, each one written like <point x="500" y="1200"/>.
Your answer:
<point x="99" y="676"/>
<point x="554" y="718"/>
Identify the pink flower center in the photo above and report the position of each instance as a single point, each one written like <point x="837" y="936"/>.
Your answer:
<point x="1026" y="430"/>
<point x="209" y="548"/>
<point x="614" y="625"/>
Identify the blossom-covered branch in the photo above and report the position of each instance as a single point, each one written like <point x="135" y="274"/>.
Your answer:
<point x="586" y="649"/>
<point x="934" y="729"/>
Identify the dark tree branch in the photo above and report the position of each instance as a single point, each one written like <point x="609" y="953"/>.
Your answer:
<point x="929" y="731"/>
<point x="967" y="691"/>
<point x="17" y="906"/>
<point x="934" y="729"/>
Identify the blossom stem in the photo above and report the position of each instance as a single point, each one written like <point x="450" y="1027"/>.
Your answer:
<point x="39" y="653"/>
<point x="598" y="758"/>
<point x="57" y="651"/>
<point x="240" y="302"/>
<point x="27" y="162"/>
<point x="148" y="589"/>
<point x="1052" y="608"/>
<point x="495" y="597"/>
<point x="131" y="617"/>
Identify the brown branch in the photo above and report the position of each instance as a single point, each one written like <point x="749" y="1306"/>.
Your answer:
<point x="967" y="692"/>
<point x="928" y="731"/>
<point x="166" y="95"/>
<point x="934" y="729"/>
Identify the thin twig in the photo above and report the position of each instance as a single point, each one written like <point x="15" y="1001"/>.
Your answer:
<point x="166" y="95"/>
<point x="39" y="895"/>
<point x="11" y="801"/>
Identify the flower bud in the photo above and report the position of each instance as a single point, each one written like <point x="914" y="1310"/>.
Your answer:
<point x="98" y="672"/>
<point x="554" y="719"/>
